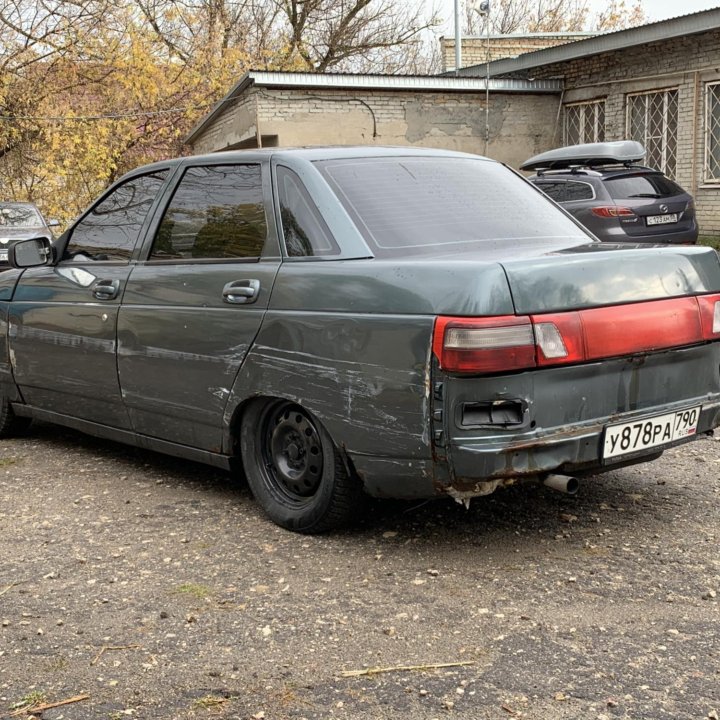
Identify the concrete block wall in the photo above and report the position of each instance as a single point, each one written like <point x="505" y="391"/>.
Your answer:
<point x="235" y="125"/>
<point x="519" y="124"/>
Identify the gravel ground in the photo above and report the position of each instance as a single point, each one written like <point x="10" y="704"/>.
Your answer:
<point x="156" y="588"/>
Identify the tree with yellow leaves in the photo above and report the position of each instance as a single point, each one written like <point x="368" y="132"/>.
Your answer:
<point x="92" y="88"/>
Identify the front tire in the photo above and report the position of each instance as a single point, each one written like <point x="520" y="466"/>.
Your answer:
<point x="294" y="470"/>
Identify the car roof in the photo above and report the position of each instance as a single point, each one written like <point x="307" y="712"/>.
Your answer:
<point x="309" y="153"/>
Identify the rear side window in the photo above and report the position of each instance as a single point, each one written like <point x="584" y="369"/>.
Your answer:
<point x="638" y="186"/>
<point x="304" y="231"/>
<point x="407" y="206"/>
<point x="111" y="229"/>
<point x="554" y="190"/>
<point x="217" y="212"/>
<point x="578" y="191"/>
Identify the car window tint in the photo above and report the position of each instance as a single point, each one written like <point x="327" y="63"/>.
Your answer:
<point x="554" y="190"/>
<point x="407" y="206"/>
<point x="578" y="191"/>
<point x="216" y="212"/>
<point x="304" y="230"/>
<point x="112" y="228"/>
<point x="624" y="188"/>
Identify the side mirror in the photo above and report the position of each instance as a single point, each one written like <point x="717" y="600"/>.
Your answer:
<point x="30" y="253"/>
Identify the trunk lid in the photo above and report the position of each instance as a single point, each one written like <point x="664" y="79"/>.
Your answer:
<point x="609" y="274"/>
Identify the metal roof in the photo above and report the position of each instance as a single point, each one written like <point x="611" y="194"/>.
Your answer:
<point x="620" y="40"/>
<point x="351" y="82"/>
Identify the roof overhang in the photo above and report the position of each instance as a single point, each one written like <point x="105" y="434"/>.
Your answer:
<point x="609" y="42"/>
<point x="353" y="83"/>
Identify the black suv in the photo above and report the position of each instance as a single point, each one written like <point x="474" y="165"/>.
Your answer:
<point x="601" y="185"/>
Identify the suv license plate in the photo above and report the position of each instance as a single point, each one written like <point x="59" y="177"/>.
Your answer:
<point x="3" y="255"/>
<point x="662" y="219"/>
<point x="638" y="435"/>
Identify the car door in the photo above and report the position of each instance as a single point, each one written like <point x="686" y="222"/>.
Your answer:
<point x="63" y="318"/>
<point x="193" y="306"/>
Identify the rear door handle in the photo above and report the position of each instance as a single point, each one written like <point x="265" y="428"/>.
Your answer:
<point x="241" y="292"/>
<point x="106" y="289"/>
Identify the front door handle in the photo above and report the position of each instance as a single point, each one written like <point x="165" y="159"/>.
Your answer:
<point x="241" y="292"/>
<point x="106" y="289"/>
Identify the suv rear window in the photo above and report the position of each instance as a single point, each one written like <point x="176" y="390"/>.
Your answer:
<point x="656" y="185"/>
<point x="408" y="206"/>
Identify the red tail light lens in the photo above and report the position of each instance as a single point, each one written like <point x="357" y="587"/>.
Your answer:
<point x="508" y="343"/>
<point x="484" y="345"/>
<point x="612" y="211"/>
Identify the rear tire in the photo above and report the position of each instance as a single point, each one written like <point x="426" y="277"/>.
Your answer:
<point x="10" y="423"/>
<point x="294" y="470"/>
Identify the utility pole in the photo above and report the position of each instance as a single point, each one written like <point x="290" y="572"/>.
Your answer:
<point x="458" y="39"/>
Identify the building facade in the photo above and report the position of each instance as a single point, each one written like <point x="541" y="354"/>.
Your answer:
<point x="658" y="84"/>
<point x="269" y="109"/>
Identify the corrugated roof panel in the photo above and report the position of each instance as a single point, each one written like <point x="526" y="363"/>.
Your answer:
<point x="609" y="42"/>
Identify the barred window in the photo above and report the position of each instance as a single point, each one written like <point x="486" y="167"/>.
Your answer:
<point x="712" y="132"/>
<point x="584" y="123"/>
<point x="652" y="119"/>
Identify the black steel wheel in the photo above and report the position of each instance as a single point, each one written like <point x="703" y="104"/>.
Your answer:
<point x="294" y="470"/>
<point x="10" y="423"/>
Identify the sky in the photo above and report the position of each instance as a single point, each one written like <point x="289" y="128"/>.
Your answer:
<point x="654" y="9"/>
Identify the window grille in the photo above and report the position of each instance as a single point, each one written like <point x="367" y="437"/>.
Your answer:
<point x="652" y="119"/>
<point x="584" y="123"/>
<point x="712" y="132"/>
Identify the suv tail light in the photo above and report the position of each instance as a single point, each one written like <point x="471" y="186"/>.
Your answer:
<point x="612" y="211"/>
<point x="509" y="342"/>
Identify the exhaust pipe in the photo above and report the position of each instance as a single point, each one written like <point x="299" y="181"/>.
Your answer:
<point x="562" y="483"/>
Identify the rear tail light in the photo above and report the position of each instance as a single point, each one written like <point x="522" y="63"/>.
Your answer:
<point x="481" y="345"/>
<point x="612" y="211"/>
<point x="510" y="342"/>
<point x="710" y="316"/>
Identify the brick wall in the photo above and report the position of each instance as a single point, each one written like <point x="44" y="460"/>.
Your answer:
<point x="686" y="63"/>
<point x="475" y="49"/>
<point x="520" y="125"/>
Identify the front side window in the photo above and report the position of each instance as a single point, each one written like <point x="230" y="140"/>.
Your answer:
<point x="584" y="122"/>
<point x="409" y="206"/>
<point x="217" y="212"/>
<point x="712" y="132"/>
<point x="304" y="231"/>
<point x="110" y="231"/>
<point x="652" y="119"/>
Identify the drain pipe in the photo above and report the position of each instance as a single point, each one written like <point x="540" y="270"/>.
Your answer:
<point x="562" y="483"/>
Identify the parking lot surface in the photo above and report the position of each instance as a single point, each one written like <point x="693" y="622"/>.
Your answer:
<point x="135" y="585"/>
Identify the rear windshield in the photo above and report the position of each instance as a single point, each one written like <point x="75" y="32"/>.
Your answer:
<point x="407" y="206"/>
<point x="638" y="186"/>
<point x="19" y="216"/>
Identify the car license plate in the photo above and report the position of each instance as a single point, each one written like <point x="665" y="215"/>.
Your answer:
<point x="637" y="435"/>
<point x="3" y="255"/>
<point x="662" y="219"/>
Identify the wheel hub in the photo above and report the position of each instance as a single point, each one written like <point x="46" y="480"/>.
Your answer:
<point x="295" y="452"/>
